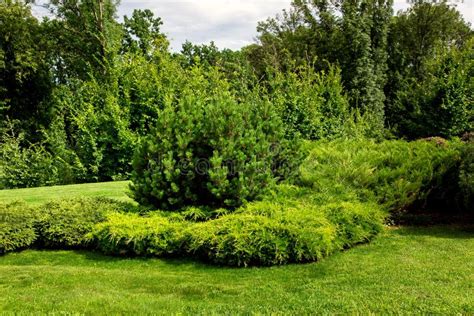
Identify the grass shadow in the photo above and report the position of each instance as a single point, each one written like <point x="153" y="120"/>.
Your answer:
<point x="440" y="231"/>
<point x="176" y="261"/>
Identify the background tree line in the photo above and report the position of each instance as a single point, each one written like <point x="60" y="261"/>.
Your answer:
<point x="79" y="90"/>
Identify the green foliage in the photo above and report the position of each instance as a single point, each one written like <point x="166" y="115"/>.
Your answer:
<point x="233" y="65"/>
<point x="393" y="173"/>
<point x="25" y="81"/>
<point x="131" y="234"/>
<point x="429" y="89"/>
<point x="85" y="38"/>
<point x="268" y="233"/>
<point x="85" y="88"/>
<point x="259" y="233"/>
<point x="350" y="34"/>
<point x="65" y="223"/>
<point x="312" y="105"/>
<point x="208" y="149"/>
<point x="348" y="187"/>
<point x="364" y="27"/>
<point x="24" y="166"/>
<point x="466" y="175"/>
<point x="91" y="131"/>
<point x="441" y="103"/>
<point x="62" y="223"/>
<point x="143" y="34"/>
<point x="17" y="226"/>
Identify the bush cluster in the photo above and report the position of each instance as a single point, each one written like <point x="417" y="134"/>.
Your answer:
<point x="346" y="191"/>
<point x="268" y="233"/>
<point x="57" y="224"/>
<point x="259" y="233"/>
<point x="17" y="226"/>
<point x="65" y="223"/>
<point x="312" y="105"/>
<point x="131" y="234"/>
<point x="392" y="173"/>
<point x="209" y="149"/>
<point x="24" y="166"/>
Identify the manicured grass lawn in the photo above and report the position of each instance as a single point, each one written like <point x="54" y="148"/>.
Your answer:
<point x="35" y="196"/>
<point x="406" y="270"/>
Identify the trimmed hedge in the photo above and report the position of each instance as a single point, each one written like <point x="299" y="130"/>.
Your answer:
<point x="57" y="224"/>
<point x="131" y="234"/>
<point x="65" y="223"/>
<point x="17" y="226"/>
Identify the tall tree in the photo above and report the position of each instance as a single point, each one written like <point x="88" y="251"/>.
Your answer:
<point x="143" y="33"/>
<point x="24" y="75"/>
<point x="86" y="35"/>
<point x="365" y="27"/>
<point x="349" y="33"/>
<point x="419" y="37"/>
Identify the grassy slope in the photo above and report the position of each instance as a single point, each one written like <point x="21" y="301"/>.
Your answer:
<point x="406" y="270"/>
<point x="37" y="196"/>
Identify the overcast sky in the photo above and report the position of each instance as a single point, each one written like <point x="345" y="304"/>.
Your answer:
<point x="229" y="23"/>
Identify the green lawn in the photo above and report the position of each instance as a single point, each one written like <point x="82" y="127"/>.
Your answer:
<point x="404" y="270"/>
<point x="35" y="196"/>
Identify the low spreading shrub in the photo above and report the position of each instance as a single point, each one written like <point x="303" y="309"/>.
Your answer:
<point x="65" y="223"/>
<point x="132" y="234"/>
<point x="294" y="227"/>
<point x="392" y="173"/>
<point x="17" y="226"/>
<point x="247" y="239"/>
<point x="269" y="233"/>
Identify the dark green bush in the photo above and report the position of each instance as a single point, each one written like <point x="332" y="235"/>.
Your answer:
<point x="209" y="149"/>
<point x="24" y="166"/>
<point x="65" y="223"/>
<point x="17" y="226"/>
<point x="466" y="175"/>
<point x="393" y="173"/>
<point x="132" y="234"/>
<point x="312" y="105"/>
<point x="440" y="103"/>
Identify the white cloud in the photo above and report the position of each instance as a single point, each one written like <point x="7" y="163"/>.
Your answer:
<point x="229" y="23"/>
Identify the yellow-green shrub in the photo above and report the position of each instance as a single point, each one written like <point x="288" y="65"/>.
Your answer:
<point x="64" y="223"/>
<point x="132" y="234"/>
<point x="17" y="226"/>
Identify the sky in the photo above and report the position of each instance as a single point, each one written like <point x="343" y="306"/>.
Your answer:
<point x="229" y="23"/>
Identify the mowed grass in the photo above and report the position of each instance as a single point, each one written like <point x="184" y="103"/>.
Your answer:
<point x="35" y="196"/>
<point x="407" y="270"/>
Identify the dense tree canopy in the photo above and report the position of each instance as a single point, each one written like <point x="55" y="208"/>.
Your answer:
<point x="80" y="89"/>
